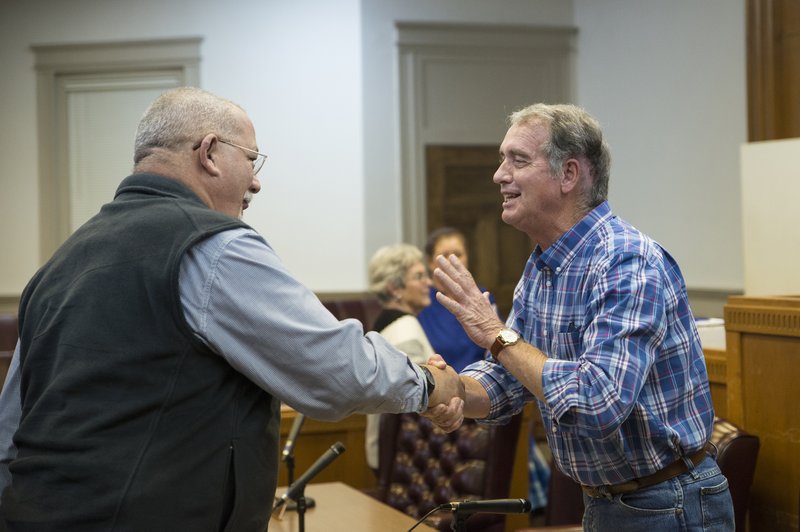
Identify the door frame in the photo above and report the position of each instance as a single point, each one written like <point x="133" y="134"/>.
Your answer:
<point x="178" y="60"/>
<point x="427" y="52"/>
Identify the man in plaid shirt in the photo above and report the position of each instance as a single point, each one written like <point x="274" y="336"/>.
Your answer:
<point x="600" y="335"/>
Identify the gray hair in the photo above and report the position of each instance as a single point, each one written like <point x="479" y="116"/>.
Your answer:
<point x="574" y="133"/>
<point x="388" y="268"/>
<point x="181" y="115"/>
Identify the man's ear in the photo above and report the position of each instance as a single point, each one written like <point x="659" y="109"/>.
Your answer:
<point x="207" y="154"/>
<point x="572" y="175"/>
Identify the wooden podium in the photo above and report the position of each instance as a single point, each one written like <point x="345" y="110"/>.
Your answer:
<point x="763" y="397"/>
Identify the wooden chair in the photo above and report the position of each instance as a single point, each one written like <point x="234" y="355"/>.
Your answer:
<point x="737" y="453"/>
<point x="421" y="467"/>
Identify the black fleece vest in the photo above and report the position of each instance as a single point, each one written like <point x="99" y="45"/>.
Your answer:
<point x="128" y="422"/>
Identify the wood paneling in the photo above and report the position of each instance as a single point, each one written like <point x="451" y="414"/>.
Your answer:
<point x="717" y="365"/>
<point x="763" y="346"/>
<point x="316" y="437"/>
<point x="773" y="69"/>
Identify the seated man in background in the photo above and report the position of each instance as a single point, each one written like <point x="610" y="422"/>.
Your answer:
<point x="159" y="340"/>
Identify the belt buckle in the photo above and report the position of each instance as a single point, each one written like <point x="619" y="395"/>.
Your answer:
<point x="608" y="490"/>
<point x="594" y="492"/>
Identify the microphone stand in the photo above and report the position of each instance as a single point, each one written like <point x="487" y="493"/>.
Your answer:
<point x="300" y="503"/>
<point x="296" y="490"/>
<point x="306" y="502"/>
<point x="459" y="522"/>
<point x="288" y="457"/>
<point x="289" y="460"/>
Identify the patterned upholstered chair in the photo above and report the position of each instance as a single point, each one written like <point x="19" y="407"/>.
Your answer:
<point x="421" y="467"/>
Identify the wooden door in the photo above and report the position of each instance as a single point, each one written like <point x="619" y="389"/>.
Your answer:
<point x="461" y="194"/>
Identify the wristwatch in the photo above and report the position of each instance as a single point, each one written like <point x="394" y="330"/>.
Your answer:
<point x="431" y="382"/>
<point x="505" y="338"/>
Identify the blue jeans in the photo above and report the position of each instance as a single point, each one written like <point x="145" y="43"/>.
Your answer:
<point x="696" y="500"/>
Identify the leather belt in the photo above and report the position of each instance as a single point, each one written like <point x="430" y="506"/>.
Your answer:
<point x="674" y="469"/>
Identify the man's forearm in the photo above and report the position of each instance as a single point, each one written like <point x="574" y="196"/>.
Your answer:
<point x="526" y="363"/>
<point x="476" y="403"/>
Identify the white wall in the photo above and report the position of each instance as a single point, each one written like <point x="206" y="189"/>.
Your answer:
<point x="769" y="212"/>
<point x="294" y="65"/>
<point x="667" y="80"/>
<point x="319" y="79"/>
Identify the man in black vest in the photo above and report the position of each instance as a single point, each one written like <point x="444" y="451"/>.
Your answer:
<point x="158" y="341"/>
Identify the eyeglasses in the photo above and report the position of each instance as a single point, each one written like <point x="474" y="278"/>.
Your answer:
<point x="419" y="276"/>
<point x="258" y="162"/>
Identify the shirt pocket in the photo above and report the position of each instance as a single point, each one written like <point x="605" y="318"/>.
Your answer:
<point x="566" y="345"/>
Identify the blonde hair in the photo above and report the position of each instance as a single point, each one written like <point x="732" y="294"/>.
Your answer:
<point x="388" y="268"/>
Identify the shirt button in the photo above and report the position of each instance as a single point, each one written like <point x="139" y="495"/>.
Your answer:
<point x="548" y="283"/>
<point x="558" y="269"/>
<point x="554" y="430"/>
<point x="544" y="333"/>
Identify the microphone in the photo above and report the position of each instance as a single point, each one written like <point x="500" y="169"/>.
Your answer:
<point x="495" y="506"/>
<point x="322" y="462"/>
<point x="288" y="448"/>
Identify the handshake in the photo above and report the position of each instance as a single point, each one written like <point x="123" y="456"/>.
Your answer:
<point x="446" y="403"/>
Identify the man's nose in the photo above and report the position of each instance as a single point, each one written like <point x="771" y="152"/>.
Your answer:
<point x="501" y="174"/>
<point x="255" y="186"/>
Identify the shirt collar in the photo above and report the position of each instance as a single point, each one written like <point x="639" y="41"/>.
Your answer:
<point x="557" y="256"/>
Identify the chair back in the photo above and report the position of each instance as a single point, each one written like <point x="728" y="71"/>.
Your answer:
<point x="8" y="332"/>
<point x="8" y="341"/>
<point x="737" y="453"/>
<point x="564" y="500"/>
<point x="421" y="467"/>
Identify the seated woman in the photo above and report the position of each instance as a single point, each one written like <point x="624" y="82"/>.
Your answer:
<point x="442" y="328"/>
<point x="449" y="340"/>
<point x="400" y="280"/>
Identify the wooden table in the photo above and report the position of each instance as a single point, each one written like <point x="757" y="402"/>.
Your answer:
<point x="340" y="508"/>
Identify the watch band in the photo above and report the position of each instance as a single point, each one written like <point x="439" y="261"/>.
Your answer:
<point x="505" y="338"/>
<point x="430" y="381"/>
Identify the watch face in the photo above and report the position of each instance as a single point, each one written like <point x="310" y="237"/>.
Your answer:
<point x="508" y="336"/>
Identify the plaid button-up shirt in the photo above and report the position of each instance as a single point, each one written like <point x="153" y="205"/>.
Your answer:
<point x="626" y="388"/>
